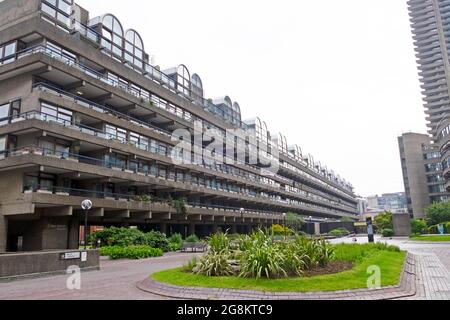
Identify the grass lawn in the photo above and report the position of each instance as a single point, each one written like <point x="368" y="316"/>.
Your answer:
<point x="390" y="263"/>
<point x="432" y="238"/>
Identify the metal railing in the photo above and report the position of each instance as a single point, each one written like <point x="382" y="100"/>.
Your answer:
<point x="150" y="200"/>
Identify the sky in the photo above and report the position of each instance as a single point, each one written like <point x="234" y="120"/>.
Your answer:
<point x="338" y="78"/>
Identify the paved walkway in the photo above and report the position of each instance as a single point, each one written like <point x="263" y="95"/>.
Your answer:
<point x="116" y="281"/>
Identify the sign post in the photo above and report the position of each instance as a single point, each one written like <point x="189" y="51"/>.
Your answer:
<point x="370" y="231"/>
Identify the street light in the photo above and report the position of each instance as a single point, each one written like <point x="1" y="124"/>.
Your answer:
<point x="242" y="211"/>
<point x="284" y="225"/>
<point x="86" y="205"/>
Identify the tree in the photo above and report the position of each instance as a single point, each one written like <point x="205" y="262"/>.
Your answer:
<point x="294" y="221"/>
<point x="383" y="221"/>
<point x="438" y="213"/>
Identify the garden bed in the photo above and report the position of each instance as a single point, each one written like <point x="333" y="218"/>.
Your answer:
<point x="347" y="270"/>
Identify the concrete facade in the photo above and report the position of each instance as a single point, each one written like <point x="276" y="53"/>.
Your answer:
<point x="87" y="118"/>
<point x="414" y="175"/>
<point x="402" y="225"/>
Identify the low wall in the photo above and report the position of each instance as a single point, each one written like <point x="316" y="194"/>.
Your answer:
<point x="36" y="264"/>
<point x="402" y="225"/>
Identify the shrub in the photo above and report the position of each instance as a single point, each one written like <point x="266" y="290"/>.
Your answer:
<point x="131" y="252"/>
<point x="125" y="237"/>
<point x="294" y="259"/>
<point x="279" y="230"/>
<point x="189" y="267"/>
<point x="383" y="221"/>
<point x="438" y="213"/>
<point x="262" y="261"/>
<point x="157" y="239"/>
<point x="175" y="242"/>
<point x="435" y="229"/>
<point x="324" y="253"/>
<point x="214" y="264"/>
<point x="418" y="226"/>
<point x="387" y="233"/>
<point x="339" y="232"/>
<point x="219" y="242"/>
<point x="192" y="239"/>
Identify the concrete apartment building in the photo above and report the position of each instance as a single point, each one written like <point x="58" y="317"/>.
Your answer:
<point x="422" y="173"/>
<point x="83" y="114"/>
<point x="393" y="202"/>
<point x="425" y="182"/>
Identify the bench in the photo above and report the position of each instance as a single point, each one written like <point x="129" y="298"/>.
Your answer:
<point x="193" y="247"/>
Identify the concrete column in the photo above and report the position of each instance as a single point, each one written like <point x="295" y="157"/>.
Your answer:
<point x="74" y="234"/>
<point x="163" y="227"/>
<point x="191" y="230"/>
<point x="3" y="233"/>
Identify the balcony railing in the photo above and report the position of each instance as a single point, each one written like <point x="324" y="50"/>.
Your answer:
<point x="119" y="165"/>
<point x="140" y="198"/>
<point x="69" y="60"/>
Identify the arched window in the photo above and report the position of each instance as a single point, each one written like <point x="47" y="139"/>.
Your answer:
<point x="183" y="80"/>
<point x="134" y="48"/>
<point x="112" y="35"/>
<point x="237" y="113"/>
<point x="197" y="88"/>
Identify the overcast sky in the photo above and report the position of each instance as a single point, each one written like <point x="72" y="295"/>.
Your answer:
<point x="337" y="78"/>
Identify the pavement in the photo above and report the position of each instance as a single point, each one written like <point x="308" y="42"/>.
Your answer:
<point x="117" y="280"/>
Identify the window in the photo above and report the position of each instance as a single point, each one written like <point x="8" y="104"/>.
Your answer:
<point x="2" y="146"/>
<point x="55" y="113"/>
<point x="39" y="181"/>
<point x="7" y="52"/>
<point x="134" y="49"/>
<point x="52" y="148"/>
<point x="4" y="114"/>
<point x="58" y="10"/>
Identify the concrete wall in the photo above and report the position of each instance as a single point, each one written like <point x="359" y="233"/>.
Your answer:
<point x="16" y="11"/>
<point x="3" y="233"/>
<point x="19" y="265"/>
<point x="414" y="175"/>
<point x="402" y="225"/>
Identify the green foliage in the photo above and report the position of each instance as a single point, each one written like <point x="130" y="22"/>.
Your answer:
<point x="192" y="239"/>
<point x="435" y="229"/>
<point x="357" y="252"/>
<point x="324" y="253"/>
<point x="295" y="260"/>
<point x="125" y="237"/>
<point x="180" y="206"/>
<point x="144" y="198"/>
<point x="262" y="261"/>
<point x="383" y="221"/>
<point x="438" y="213"/>
<point x="131" y="252"/>
<point x="419" y="226"/>
<point x="347" y="219"/>
<point x="279" y="230"/>
<point x="294" y="222"/>
<point x="339" y="232"/>
<point x="189" y="267"/>
<point x="157" y="239"/>
<point x="214" y="264"/>
<point x="175" y="242"/>
<point x="387" y="233"/>
<point x="219" y="242"/>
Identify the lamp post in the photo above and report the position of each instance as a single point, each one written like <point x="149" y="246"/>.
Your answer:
<point x="284" y="225"/>
<point x="86" y="205"/>
<point x="242" y="211"/>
